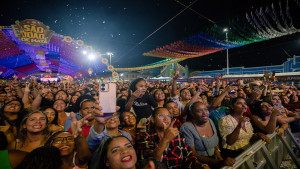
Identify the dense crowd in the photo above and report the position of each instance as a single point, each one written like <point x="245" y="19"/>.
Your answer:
<point x="156" y="125"/>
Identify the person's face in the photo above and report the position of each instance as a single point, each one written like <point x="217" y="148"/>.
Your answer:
<point x="129" y="119"/>
<point x="71" y="91"/>
<point x="266" y="108"/>
<point x="74" y="99"/>
<point x="50" y="115"/>
<point x="121" y="154"/>
<point x="241" y="94"/>
<point x="173" y="109"/>
<point x="159" y="95"/>
<point x="163" y="118"/>
<point x="240" y="106"/>
<point x="65" y="143"/>
<point x="186" y="95"/>
<point x="141" y="85"/>
<point x="61" y="96"/>
<point x="3" y="97"/>
<point x="124" y="92"/>
<point x="77" y="94"/>
<point x="209" y="93"/>
<point x="14" y="93"/>
<point x="200" y="113"/>
<point x="87" y="108"/>
<point x="49" y="96"/>
<point x="36" y="123"/>
<point x="285" y="100"/>
<point x="59" y="105"/>
<point x="247" y="91"/>
<point x="55" y="90"/>
<point x="276" y="99"/>
<point x="12" y="107"/>
<point x="113" y="122"/>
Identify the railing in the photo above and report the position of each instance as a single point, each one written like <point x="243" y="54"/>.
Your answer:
<point x="262" y="155"/>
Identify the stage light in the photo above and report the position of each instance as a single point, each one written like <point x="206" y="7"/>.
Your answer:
<point x="225" y="29"/>
<point x="91" y="56"/>
<point x="84" y="52"/>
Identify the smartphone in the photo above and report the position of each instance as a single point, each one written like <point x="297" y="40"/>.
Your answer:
<point x="107" y="97"/>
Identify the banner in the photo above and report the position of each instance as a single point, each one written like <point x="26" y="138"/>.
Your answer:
<point x="32" y="32"/>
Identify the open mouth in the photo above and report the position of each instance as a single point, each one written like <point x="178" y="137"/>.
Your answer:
<point x="126" y="158"/>
<point x="64" y="148"/>
<point x="37" y="127"/>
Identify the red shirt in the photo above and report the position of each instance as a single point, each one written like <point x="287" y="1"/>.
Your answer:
<point x="85" y="130"/>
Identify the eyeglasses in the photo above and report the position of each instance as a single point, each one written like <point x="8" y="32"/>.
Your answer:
<point x="59" y="140"/>
<point x="162" y="116"/>
<point x="14" y="104"/>
<point x="128" y="116"/>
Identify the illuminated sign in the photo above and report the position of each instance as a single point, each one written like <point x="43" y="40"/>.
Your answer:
<point x="32" y="32"/>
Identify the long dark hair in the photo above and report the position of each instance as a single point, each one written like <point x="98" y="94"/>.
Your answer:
<point x="102" y="150"/>
<point x="133" y="88"/>
<point x="23" y="131"/>
<point x="55" y="120"/>
<point x="46" y="157"/>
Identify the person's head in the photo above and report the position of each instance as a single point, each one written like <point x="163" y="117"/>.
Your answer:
<point x="49" y="96"/>
<point x="3" y="96"/>
<point x="275" y="99"/>
<point x="238" y="105"/>
<point x="113" y="122"/>
<point x="198" y="113"/>
<point x="46" y="157"/>
<point x="161" y="118"/>
<point x="61" y="95"/>
<point x="117" y="153"/>
<point x="34" y="123"/>
<point x="64" y="141"/>
<point x="241" y="93"/>
<point x="86" y="108"/>
<point x="185" y="94"/>
<point x="159" y="95"/>
<point x="77" y="93"/>
<point x="262" y="109"/>
<point x="13" y="107"/>
<point x="138" y="84"/>
<point x="128" y="119"/>
<point x="285" y="99"/>
<point x="52" y="115"/>
<point x="60" y="105"/>
<point x="73" y="99"/>
<point x="172" y="107"/>
<point x="247" y="90"/>
<point x="123" y="91"/>
<point x="54" y="90"/>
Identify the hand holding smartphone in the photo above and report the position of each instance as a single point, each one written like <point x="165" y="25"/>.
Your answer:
<point x="107" y="97"/>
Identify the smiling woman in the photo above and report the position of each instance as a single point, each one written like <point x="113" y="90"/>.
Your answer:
<point x="33" y="133"/>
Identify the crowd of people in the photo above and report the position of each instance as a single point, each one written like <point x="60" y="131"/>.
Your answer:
<point x="156" y="125"/>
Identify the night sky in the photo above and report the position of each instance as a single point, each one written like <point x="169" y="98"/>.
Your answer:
<point x="122" y="27"/>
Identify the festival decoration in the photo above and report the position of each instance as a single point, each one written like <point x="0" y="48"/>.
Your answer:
<point x="104" y="61"/>
<point x="115" y="74"/>
<point x="272" y="21"/>
<point x="89" y="48"/>
<point x="110" y="67"/>
<point x="32" y="32"/>
<point x="79" y="42"/>
<point x="68" y="39"/>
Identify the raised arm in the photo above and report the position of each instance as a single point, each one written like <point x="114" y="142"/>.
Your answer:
<point x="25" y="98"/>
<point x="174" y="85"/>
<point x="270" y="127"/>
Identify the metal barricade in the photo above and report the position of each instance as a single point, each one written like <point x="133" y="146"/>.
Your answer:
<point x="262" y="155"/>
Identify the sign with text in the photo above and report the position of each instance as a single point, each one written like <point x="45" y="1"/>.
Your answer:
<point x="32" y="32"/>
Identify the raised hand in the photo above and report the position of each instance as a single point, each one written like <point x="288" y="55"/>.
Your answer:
<point x="27" y="89"/>
<point x="170" y="132"/>
<point x="176" y="75"/>
<point x="264" y="137"/>
<point x="76" y="125"/>
<point x="98" y="115"/>
<point x="243" y="121"/>
<point x="136" y="94"/>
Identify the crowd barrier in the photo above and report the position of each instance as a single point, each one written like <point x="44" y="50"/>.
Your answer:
<point x="262" y="155"/>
